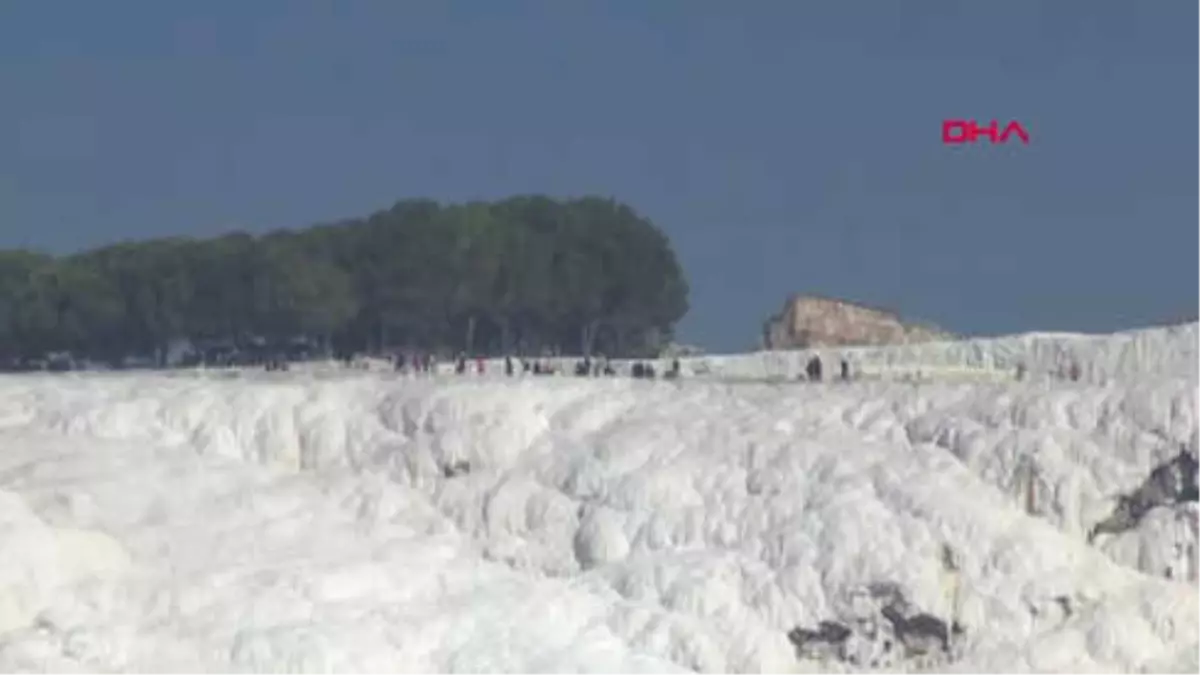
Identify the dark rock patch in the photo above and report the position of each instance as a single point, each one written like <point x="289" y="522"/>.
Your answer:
<point x="1169" y="483"/>
<point x="455" y="469"/>
<point x="891" y="635"/>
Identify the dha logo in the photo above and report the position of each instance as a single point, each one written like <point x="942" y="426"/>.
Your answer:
<point x="957" y="132"/>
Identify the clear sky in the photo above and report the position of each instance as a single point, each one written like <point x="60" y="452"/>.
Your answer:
<point x="784" y="145"/>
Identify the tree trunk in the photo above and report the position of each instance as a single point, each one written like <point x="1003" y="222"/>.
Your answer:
<point x="470" y="340"/>
<point x="518" y="337"/>
<point x="505" y="335"/>
<point x="588" y="337"/>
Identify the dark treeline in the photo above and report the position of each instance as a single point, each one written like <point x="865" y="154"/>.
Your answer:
<point x="523" y="275"/>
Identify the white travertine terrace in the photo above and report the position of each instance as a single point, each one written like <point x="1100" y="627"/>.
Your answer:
<point x="311" y="521"/>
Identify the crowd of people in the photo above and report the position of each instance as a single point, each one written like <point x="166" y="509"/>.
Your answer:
<point x="814" y="370"/>
<point x="817" y="368"/>
<point x="585" y="367"/>
<point x="600" y="366"/>
<point x="514" y="365"/>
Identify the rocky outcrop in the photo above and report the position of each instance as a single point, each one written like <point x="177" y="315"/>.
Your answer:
<point x="879" y="628"/>
<point x="812" y="321"/>
<point x="1172" y="482"/>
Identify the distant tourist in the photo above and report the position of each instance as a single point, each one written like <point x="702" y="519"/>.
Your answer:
<point x="845" y="370"/>
<point x="508" y="365"/>
<point x="813" y="369"/>
<point x="460" y="366"/>
<point x="675" y="370"/>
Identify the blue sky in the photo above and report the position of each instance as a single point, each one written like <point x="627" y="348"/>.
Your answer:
<point x="783" y="145"/>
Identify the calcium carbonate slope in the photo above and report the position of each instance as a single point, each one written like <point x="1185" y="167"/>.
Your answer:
<point x="355" y="522"/>
<point x="1145" y="353"/>
<point x="1153" y="352"/>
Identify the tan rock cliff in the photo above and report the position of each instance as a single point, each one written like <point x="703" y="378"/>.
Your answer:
<point x="814" y="321"/>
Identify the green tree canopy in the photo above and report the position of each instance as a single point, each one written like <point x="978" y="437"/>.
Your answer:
<point x="525" y="274"/>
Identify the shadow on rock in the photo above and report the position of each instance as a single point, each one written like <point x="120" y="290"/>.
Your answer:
<point x="1172" y="482"/>
<point x="888" y="634"/>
